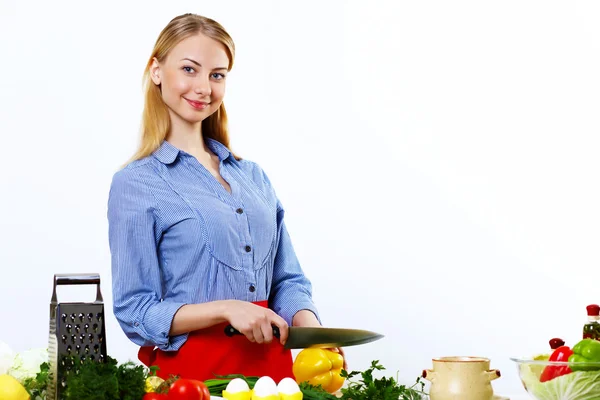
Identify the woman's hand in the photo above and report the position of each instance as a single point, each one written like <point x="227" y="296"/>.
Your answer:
<point x="255" y="322"/>
<point x="307" y="318"/>
<point x="341" y="351"/>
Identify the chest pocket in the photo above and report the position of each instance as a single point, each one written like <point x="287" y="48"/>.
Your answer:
<point x="229" y="231"/>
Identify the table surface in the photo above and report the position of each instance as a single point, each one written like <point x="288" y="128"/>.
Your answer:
<point x="517" y="397"/>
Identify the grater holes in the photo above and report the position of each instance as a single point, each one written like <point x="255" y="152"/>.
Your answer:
<point x="85" y="336"/>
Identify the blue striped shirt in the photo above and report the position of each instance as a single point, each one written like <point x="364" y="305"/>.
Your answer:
<point x="177" y="237"/>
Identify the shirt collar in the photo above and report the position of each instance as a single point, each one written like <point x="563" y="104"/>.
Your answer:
<point x="218" y="148"/>
<point x="167" y="153"/>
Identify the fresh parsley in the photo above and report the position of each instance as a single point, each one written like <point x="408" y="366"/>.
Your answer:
<point x="386" y="388"/>
<point x="36" y="387"/>
<point x="91" y="380"/>
<point x="315" y="392"/>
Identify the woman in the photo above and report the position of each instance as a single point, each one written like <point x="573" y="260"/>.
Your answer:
<point x="197" y="236"/>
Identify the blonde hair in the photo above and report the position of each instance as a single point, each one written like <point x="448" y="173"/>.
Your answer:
<point x="155" y="118"/>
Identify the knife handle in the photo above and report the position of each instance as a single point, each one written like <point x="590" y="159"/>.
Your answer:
<point x="231" y="331"/>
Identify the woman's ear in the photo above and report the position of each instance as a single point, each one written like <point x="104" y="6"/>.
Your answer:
<point x="155" y="72"/>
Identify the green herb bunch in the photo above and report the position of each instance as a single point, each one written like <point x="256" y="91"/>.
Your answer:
<point x="315" y="392"/>
<point x="89" y="380"/>
<point x="386" y="388"/>
<point x="36" y="387"/>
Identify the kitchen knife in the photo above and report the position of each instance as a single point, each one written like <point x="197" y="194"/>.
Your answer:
<point x="319" y="337"/>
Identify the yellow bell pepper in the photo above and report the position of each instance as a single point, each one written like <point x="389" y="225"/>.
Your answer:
<point x="319" y="367"/>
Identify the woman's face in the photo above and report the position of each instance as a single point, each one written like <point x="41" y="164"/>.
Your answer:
<point x="192" y="78"/>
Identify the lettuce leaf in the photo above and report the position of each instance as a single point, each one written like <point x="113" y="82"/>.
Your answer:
<point x="27" y="363"/>
<point x="578" y="385"/>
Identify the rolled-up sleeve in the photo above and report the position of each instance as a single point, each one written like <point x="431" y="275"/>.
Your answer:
<point x="134" y="232"/>
<point x="291" y="290"/>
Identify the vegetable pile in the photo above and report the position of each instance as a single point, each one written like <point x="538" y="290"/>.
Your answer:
<point x="566" y="381"/>
<point x="366" y="388"/>
<point x="318" y="375"/>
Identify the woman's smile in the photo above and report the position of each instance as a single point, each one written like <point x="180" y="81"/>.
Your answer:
<point x="198" y="105"/>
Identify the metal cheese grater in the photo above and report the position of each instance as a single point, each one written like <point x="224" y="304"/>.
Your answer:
<point x="76" y="332"/>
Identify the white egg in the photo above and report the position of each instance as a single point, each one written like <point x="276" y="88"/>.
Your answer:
<point x="265" y="386"/>
<point x="288" y="386"/>
<point x="237" y="385"/>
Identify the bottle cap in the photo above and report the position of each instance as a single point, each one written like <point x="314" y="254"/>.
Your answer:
<point x="593" y="310"/>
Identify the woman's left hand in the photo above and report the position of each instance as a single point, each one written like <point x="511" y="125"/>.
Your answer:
<point x="307" y="318"/>
<point x="341" y="351"/>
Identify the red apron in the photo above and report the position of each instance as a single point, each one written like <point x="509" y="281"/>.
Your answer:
<point x="209" y="352"/>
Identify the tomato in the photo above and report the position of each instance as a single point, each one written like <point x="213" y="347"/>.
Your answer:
<point x="155" y="396"/>
<point x="188" y="389"/>
<point x="205" y="392"/>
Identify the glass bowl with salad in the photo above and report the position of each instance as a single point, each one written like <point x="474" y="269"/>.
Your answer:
<point x="565" y="374"/>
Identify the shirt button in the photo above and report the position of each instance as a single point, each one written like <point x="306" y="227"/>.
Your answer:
<point x="252" y="288"/>
<point x="136" y="323"/>
<point x="248" y="249"/>
<point x="239" y="211"/>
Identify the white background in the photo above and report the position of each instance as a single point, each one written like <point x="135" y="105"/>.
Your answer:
<point x="437" y="161"/>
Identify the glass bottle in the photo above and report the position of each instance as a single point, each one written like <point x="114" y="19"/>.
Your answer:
<point x="591" y="329"/>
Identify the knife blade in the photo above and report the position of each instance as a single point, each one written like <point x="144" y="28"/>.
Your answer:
<point x="319" y="337"/>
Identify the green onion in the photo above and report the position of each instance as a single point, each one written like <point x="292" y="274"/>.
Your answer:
<point x="216" y="386"/>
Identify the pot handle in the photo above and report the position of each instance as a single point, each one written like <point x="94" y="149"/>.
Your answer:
<point x="428" y="374"/>
<point x="492" y="374"/>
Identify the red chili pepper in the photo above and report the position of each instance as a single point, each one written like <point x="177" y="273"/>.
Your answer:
<point x="552" y="371"/>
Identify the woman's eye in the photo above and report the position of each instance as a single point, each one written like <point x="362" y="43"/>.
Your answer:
<point x="218" y="75"/>
<point x="188" y="69"/>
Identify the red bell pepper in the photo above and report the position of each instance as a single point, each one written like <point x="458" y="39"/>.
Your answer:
<point x="555" y="343"/>
<point x="553" y="371"/>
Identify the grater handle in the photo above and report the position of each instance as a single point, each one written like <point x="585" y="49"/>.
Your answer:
<point x="77" y="279"/>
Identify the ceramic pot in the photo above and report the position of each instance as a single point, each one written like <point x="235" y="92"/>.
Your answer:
<point x="461" y="378"/>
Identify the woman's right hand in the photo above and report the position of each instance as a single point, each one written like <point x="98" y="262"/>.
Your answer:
<point x="255" y="322"/>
